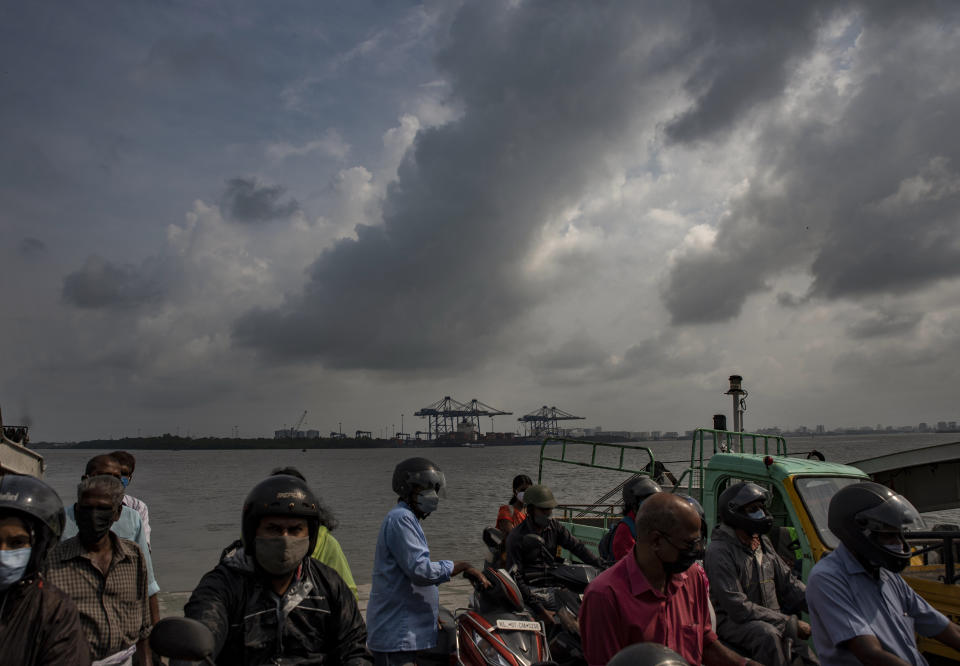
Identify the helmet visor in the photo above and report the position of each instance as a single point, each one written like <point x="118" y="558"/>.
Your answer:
<point x="428" y="478"/>
<point x="896" y="514"/>
<point x="748" y="494"/>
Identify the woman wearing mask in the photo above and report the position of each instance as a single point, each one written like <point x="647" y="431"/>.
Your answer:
<point x="512" y="514"/>
<point x="38" y="622"/>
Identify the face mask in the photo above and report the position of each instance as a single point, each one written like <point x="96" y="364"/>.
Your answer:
<point x="895" y="548"/>
<point x="428" y="501"/>
<point x="540" y="520"/>
<point x="685" y="560"/>
<point x="93" y="522"/>
<point x="756" y="515"/>
<point x="13" y="564"/>
<point x="281" y="555"/>
<point x="520" y="496"/>
<point x="125" y="480"/>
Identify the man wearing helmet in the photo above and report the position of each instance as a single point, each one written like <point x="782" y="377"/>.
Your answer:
<point x="533" y="546"/>
<point x="404" y="601"/>
<point x="39" y="624"/>
<point x="862" y="610"/>
<point x="756" y="597"/>
<point x="268" y="601"/>
<point x="635" y="491"/>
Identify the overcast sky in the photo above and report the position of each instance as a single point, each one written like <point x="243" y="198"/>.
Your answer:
<point x="221" y="214"/>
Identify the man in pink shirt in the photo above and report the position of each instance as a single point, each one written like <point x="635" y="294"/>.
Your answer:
<point x="650" y="596"/>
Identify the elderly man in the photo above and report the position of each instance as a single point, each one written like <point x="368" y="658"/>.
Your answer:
<point x="128" y="526"/>
<point x="106" y="576"/>
<point x="650" y="596"/>
<point x="268" y="601"/>
<point x="757" y="598"/>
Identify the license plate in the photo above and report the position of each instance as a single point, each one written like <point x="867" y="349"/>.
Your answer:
<point x="518" y="625"/>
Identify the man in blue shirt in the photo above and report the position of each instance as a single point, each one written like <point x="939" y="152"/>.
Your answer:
<point x="128" y="526"/>
<point x="404" y="600"/>
<point x="861" y="609"/>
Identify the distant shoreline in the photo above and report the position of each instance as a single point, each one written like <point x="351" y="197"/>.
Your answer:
<point x="175" y="442"/>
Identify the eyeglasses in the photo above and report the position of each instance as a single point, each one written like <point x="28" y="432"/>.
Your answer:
<point x="693" y="544"/>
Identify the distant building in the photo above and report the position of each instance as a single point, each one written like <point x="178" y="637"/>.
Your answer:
<point x="923" y="427"/>
<point x="941" y="425"/>
<point x="821" y="429"/>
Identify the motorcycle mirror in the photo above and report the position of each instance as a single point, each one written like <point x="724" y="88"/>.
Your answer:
<point x="182" y="638"/>
<point x="493" y="537"/>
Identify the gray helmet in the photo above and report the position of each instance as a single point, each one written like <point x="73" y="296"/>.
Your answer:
<point x="647" y="654"/>
<point x="539" y="496"/>
<point x="638" y="489"/>
<point x="40" y="506"/>
<point x="417" y="473"/>
<point x="734" y="499"/>
<point x="861" y="511"/>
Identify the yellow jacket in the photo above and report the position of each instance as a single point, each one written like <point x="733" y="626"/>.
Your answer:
<point x="328" y="552"/>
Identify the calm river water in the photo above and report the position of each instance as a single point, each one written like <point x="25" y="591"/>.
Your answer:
<point x="195" y="497"/>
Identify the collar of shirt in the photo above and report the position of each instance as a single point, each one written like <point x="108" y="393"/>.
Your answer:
<point x="639" y="585"/>
<point x="72" y="549"/>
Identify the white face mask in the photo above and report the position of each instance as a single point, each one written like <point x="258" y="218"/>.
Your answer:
<point x="895" y="548"/>
<point x="520" y="496"/>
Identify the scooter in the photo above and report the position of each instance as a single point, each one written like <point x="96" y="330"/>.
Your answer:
<point x="495" y="630"/>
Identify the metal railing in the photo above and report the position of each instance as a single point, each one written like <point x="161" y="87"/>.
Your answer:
<point x="945" y="542"/>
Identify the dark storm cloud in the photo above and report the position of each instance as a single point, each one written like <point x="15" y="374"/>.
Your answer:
<point x="868" y="204"/>
<point x="247" y="201"/>
<point x="548" y="90"/>
<point x="884" y="324"/>
<point x="102" y="284"/>
<point x="583" y="360"/>
<point x="31" y="247"/>
<point x="195" y="56"/>
<point x="744" y="51"/>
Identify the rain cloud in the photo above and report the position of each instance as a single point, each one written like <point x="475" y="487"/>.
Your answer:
<point x="860" y="191"/>
<point x="249" y="202"/>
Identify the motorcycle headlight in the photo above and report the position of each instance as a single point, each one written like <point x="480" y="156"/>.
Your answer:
<point x="490" y="654"/>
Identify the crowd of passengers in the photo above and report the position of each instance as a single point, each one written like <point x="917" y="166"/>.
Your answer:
<point x="77" y="583"/>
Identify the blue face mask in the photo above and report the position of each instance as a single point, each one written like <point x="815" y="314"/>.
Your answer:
<point x="125" y="480"/>
<point x="756" y="515"/>
<point x="13" y="564"/>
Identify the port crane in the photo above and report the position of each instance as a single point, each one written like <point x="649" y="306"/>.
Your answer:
<point x="300" y="422"/>
<point x="444" y="416"/>
<point x="545" y="421"/>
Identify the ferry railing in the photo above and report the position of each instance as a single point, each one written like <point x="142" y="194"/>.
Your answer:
<point x="724" y="441"/>
<point x="593" y="464"/>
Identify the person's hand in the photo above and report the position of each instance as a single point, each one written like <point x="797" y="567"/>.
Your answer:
<point x="803" y="630"/>
<point x="477" y="577"/>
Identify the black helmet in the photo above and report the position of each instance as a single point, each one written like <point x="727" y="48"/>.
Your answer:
<point x="861" y="511"/>
<point x="417" y="473"/>
<point x="42" y="508"/>
<point x="699" y="507"/>
<point x="647" y="654"/>
<point x="638" y="489"/>
<point x="732" y="502"/>
<point x="279" y="495"/>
